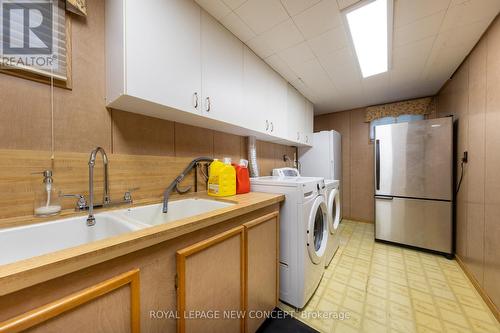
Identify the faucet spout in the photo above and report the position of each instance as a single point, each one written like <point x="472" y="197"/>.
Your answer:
<point x="175" y="183"/>
<point x="106" y="199"/>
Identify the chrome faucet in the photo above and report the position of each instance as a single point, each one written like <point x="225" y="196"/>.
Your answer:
<point x="105" y="200"/>
<point x="175" y="183"/>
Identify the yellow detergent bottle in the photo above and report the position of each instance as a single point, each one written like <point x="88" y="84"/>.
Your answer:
<point x="221" y="178"/>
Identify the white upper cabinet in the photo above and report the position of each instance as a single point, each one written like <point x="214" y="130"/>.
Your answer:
<point x="276" y="102"/>
<point x="296" y="106"/>
<point x="170" y="59"/>
<point x="254" y="92"/>
<point x="222" y="72"/>
<point x="308" y="123"/>
<point x="265" y="94"/>
<point x="153" y="52"/>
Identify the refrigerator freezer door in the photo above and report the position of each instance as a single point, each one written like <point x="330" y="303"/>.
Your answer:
<point x="422" y="223"/>
<point x="414" y="159"/>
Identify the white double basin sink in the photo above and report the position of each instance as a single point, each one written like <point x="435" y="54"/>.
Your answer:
<point x="32" y="240"/>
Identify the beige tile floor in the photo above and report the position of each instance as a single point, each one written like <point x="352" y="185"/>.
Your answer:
<point x="385" y="288"/>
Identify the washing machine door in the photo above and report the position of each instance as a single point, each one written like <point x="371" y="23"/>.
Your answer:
<point x="317" y="230"/>
<point x="334" y="210"/>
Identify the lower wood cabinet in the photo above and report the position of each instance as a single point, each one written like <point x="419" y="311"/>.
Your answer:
<point x="229" y="269"/>
<point x="228" y="282"/>
<point x="210" y="284"/>
<point x="262" y="267"/>
<point x="110" y="306"/>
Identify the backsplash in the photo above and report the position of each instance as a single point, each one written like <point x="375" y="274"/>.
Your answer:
<point x="131" y="162"/>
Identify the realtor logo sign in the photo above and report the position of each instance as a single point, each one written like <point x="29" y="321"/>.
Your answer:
<point x="27" y="33"/>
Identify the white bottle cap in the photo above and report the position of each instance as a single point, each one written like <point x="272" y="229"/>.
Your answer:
<point x="227" y="160"/>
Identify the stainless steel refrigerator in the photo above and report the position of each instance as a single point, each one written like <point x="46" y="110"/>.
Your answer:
<point x="413" y="184"/>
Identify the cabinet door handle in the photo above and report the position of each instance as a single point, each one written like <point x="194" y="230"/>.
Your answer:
<point x="195" y="100"/>
<point x="267" y="125"/>
<point x="272" y="126"/>
<point x="207" y="104"/>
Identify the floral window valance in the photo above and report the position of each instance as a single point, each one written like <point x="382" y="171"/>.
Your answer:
<point x="421" y="106"/>
<point x="78" y="7"/>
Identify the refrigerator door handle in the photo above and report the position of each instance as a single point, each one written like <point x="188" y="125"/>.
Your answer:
<point x="377" y="164"/>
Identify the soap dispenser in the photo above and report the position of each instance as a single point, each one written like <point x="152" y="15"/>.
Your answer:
<point x="46" y="198"/>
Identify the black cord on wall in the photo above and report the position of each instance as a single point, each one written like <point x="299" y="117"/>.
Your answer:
<point x="464" y="160"/>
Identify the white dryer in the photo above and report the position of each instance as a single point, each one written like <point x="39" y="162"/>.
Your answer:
<point x="332" y="195"/>
<point x="303" y="234"/>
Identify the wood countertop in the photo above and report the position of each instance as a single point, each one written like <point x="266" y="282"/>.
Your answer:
<point x="25" y="273"/>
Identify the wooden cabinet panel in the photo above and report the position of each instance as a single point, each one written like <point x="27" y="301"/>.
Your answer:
<point x="262" y="264"/>
<point x="112" y="307"/>
<point x="211" y="280"/>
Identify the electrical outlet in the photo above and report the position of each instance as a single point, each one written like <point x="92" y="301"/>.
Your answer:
<point x="465" y="157"/>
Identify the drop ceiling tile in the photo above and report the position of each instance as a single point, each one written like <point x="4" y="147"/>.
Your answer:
<point x="262" y="15"/>
<point x="297" y="55"/>
<point x="377" y="84"/>
<point x="407" y="11"/>
<point x="318" y="19"/>
<point x="296" y="6"/>
<point x="216" y="8"/>
<point x="329" y="42"/>
<point x="233" y="4"/>
<point x="281" y="67"/>
<point x="282" y="36"/>
<point x="418" y="30"/>
<point x="469" y="12"/>
<point x="260" y="47"/>
<point x="411" y="54"/>
<point x="469" y="34"/>
<point x="313" y="74"/>
<point x="234" y="24"/>
<point x="306" y="90"/>
<point x="343" y="4"/>
<point x="341" y="62"/>
<point x="428" y="46"/>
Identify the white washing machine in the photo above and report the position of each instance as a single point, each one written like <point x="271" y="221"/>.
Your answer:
<point x="332" y="195"/>
<point x="303" y="234"/>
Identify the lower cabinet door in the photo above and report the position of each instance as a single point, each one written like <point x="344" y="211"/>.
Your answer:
<point x="210" y="284"/>
<point x="112" y="305"/>
<point x="262" y="259"/>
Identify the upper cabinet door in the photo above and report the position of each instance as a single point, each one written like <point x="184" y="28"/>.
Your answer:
<point x="308" y="123"/>
<point x="296" y="110"/>
<point x="162" y="41"/>
<point x="254" y="92"/>
<point x="222" y="72"/>
<point x="277" y="103"/>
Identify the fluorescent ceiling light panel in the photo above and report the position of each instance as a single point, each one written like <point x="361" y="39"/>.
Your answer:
<point x="368" y="25"/>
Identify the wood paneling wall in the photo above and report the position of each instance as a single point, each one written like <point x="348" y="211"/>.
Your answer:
<point x="81" y="120"/>
<point x="157" y="149"/>
<point x="357" y="161"/>
<point x="472" y="96"/>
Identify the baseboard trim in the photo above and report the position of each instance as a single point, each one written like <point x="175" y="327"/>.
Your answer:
<point x="478" y="287"/>
<point x="357" y="220"/>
